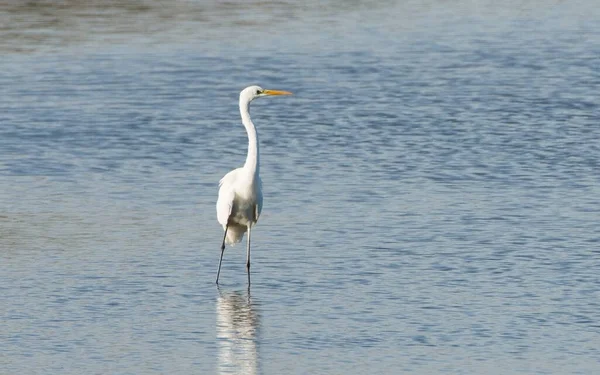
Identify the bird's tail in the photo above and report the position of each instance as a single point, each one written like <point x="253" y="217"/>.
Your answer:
<point x="235" y="233"/>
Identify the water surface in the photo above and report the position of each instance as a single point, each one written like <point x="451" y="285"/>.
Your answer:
<point x="431" y="190"/>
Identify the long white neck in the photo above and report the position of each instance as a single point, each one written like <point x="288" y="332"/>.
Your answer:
<point x="252" y="164"/>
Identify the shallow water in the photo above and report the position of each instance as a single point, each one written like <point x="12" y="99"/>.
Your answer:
<point x="431" y="190"/>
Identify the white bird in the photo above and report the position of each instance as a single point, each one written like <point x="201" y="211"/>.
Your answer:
<point x="240" y="191"/>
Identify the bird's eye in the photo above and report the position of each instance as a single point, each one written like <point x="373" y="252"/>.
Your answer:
<point x="257" y="92"/>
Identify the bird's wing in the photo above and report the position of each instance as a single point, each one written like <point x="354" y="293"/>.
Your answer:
<point x="259" y="199"/>
<point x="229" y="178"/>
<point x="224" y="206"/>
<point x="226" y="197"/>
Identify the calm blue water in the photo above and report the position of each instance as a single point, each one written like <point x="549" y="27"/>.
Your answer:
<point x="432" y="189"/>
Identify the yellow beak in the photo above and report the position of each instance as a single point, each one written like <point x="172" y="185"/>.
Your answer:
<point x="276" y="92"/>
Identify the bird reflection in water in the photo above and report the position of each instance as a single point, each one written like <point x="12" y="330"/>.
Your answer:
<point x="237" y="329"/>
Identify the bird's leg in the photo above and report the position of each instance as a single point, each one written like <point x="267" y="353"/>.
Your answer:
<point x="248" y="255"/>
<point x="222" y="251"/>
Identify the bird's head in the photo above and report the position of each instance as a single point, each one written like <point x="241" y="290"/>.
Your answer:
<point x="252" y="92"/>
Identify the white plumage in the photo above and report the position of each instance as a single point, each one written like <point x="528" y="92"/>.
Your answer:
<point x="240" y="191"/>
<point x="239" y="203"/>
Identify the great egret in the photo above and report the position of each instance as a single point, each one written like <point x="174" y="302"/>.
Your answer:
<point x="240" y="191"/>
